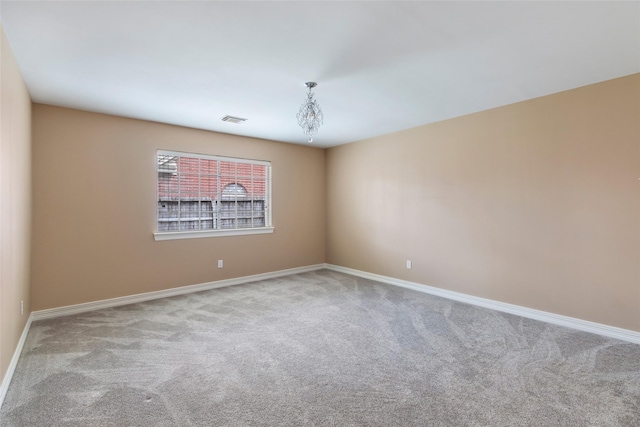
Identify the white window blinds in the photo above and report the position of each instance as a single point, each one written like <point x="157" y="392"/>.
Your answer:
<point x="199" y="192"/>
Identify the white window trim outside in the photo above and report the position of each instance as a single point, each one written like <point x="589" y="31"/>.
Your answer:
<point x="195" y="234"/>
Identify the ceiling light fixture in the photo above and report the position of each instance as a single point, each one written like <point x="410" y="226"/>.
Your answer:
<point x="310" y="115"/>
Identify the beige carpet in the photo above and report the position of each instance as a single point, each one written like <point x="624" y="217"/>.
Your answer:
<point x="318" y="349"/>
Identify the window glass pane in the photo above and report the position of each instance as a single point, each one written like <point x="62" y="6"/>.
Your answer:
<point x="189" y="184"/>
<point x="259" y="171"/>
<point x="228" y="169"/>
<point x="189" y="165"/>
<point x="244" y="171"/>
<point x="208" y="167"/>
<point x="259" y="189"/>
<point x="167" y="179"/>
<point x="209" y="187"/>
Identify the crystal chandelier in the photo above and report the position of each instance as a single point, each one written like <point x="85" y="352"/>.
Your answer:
<point x="310" y="114"/>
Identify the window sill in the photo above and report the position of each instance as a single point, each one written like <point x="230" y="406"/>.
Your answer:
<point x="174" y="235"/>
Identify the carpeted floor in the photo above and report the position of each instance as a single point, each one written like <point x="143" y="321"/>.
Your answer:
<point x="318" y="349"/>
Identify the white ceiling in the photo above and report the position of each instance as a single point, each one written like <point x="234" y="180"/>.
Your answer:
<point x="380" y="66"/>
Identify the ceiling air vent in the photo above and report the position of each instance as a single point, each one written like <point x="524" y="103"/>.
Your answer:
<point x="232" y="119"/>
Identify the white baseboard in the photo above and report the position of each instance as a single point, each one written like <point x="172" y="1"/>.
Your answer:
<point x="148" y="296"/>
<point x="556" y="319"/>
<point x="4" y="387"/>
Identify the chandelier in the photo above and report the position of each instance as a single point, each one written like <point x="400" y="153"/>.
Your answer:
<point x="310" y="115"/>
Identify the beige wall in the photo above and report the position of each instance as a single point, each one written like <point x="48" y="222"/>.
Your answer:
<point x="535" y="204"/>
<point x="15" y="203"/>
<point x="94" y="205"/>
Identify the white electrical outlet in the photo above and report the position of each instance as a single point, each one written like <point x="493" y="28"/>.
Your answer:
<point x="220" y="263"/>
<point x="21" y="308"/>
<point x="408" y="264"/>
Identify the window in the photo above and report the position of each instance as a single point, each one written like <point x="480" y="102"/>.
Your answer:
<point x="204" y="196"/>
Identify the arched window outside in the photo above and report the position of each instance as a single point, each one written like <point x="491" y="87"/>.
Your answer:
<point x="233" y="191"/>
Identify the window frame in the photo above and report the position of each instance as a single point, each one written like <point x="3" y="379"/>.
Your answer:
<point x="194" y="234"/>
